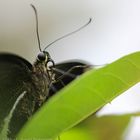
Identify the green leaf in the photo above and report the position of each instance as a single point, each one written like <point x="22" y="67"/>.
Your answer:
<point x="109" y="127"/>
<point x="83" y="97"/>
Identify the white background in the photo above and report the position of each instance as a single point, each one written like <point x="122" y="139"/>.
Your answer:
<point x="113" y="33"/>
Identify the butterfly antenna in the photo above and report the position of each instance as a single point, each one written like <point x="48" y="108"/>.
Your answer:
<point x="90" y="19"/>
<point x="37" y="32"/>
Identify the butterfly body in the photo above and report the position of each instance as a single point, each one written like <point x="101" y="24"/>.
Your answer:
<point x="38" y="81"/>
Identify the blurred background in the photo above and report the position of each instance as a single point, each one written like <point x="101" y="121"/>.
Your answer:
<point x="113" y="33"/>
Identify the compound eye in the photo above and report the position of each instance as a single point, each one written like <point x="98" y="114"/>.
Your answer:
<point x="41" y="56"/>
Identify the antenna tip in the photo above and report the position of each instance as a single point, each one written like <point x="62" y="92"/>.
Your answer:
<point x="33" y="6"/>
<point x="90" y="19"/>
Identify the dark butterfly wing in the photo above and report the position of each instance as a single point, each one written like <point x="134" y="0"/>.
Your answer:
<point x="14" y="72"/>
<point x="67" y="72"/>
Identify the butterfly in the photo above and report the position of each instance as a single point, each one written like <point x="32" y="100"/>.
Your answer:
<point x="24" y="87"/>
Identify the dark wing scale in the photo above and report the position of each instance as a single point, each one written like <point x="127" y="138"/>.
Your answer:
<point x="67" y="72"/>
<point x="14" y="72"/>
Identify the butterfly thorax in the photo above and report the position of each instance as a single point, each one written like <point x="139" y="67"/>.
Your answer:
<point x="40" y="78"/>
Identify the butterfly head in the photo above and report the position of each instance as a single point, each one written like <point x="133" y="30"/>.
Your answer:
<point x="45" y="57"/>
